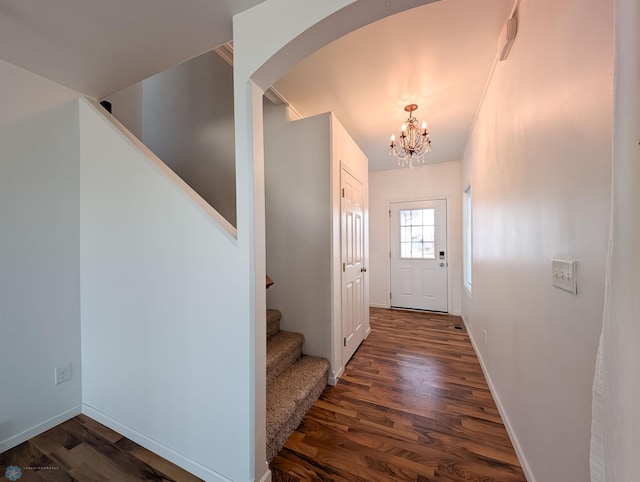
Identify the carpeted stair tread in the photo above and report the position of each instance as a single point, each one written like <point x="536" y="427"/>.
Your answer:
<point x="273" y="322"/>
<point x="289" y="398"/>
<point x="283" y="349"/>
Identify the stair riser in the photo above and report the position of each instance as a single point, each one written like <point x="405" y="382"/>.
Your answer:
<point x="285" y="361"/>
<point x="294" y="382"/>
<point x="273" y="322"/>
<point x="280" y="437"/>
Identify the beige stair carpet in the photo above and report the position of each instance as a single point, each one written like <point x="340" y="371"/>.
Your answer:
<point x="283" y="349"/>
<point x="289" y="398"/>
<point x="273" y="322"/>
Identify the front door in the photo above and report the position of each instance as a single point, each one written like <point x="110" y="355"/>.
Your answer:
<point x="419" y="255"/>
<point x="352" y="253"/>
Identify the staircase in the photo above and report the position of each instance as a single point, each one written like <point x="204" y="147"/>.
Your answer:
<point x="294" y="382"/>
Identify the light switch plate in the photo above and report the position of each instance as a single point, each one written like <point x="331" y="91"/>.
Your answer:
<point x="563" y="273"/>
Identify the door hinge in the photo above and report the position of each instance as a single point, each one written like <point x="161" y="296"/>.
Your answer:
<point x="344" y="267"/>
<point x="389" y="254"/>
<point x="342" y="192"/>
<point x="389" y="294"/>
<point x="344" y="341"/>
<point x="389" y="212"/>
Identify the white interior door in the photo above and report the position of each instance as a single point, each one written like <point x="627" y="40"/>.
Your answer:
<point x="352" y="254"/>
<point x="419" y="255"/>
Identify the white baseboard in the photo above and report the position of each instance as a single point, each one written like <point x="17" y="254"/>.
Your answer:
<point x="378" y="305"/>
<point x="156" y="447"/>
<point x="334" y="377"/>
<point x="25" y="435"/>
<point x="266" y="477"/>
<point x="505" y="419"/>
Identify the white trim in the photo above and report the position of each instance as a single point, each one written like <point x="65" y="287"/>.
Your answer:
<point x="266" y="477"/>
<point x="156" y="447"/>
<point x="335" y="376"/>
<point x="492" y="70"/>
<point x="225" y="51"/>
<point x="122" y="131"/>
<point x="274" y="95"/>
<point x="335" y="190"/>
<point x="505" y="419"/>
<point x="421" y="166"/>
<point x="25" y="435"/>
<point x="387" y="307"/>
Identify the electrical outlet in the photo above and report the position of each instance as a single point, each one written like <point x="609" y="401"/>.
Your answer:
<point x="485" y="336"/>
<point x="63" y="373"/>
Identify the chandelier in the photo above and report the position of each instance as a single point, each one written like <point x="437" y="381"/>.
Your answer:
<point x="413" y="144"/>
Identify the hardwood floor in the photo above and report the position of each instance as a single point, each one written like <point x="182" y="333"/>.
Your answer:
<point x="412" y="404"/>
<point x="83" y="450"/>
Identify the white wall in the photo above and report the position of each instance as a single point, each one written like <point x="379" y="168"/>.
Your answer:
<point x="126" y="106"/>
<point x="436" y="181"/>
<point x="298" y="223"/>
<point x="165" y="338"/>
<point x="39" y="254"/>
<point x="540" y="162"/>
<point x="188" y="123"/>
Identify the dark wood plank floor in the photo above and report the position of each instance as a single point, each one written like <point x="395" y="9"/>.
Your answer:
<point x="412" y="404"/>
<point x="83" y="450"/>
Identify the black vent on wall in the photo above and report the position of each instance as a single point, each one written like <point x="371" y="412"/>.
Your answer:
<point x="107" y="105"/>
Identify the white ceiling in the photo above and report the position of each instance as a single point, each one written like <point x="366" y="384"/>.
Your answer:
<point x="438" y="56"/>
<point x="98" y="47"/>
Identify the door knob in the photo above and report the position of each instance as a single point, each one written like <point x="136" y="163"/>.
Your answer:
<point x="442" y="265"/>
<point x="363" y="270"/>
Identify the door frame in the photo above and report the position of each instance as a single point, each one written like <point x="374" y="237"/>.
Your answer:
<point x="336" y="266"/>
<point x="364" y="306"/>
<point x="449" y="232"/>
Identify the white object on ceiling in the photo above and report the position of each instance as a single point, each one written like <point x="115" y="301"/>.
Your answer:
<point x="507" y="37"/>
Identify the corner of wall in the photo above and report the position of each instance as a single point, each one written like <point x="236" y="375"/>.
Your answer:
<point x="39" y="212"/>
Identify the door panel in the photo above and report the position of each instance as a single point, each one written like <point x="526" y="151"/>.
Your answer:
<point x="407" y="285"/>
<point x="419" y="255"/>
<point x="348" y="318"/>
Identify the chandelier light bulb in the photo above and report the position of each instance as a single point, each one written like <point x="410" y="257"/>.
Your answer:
<point x="404" y="127"/>
<point x="424" y="124"/>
